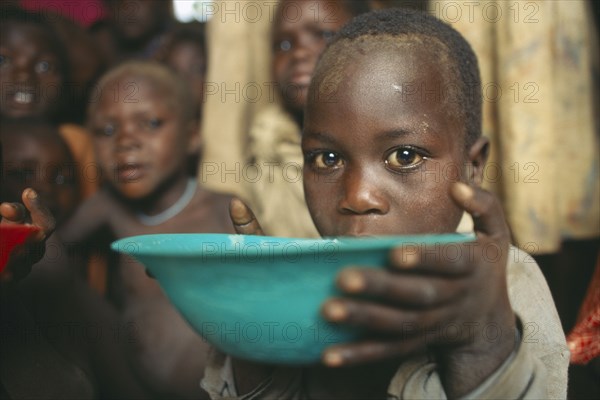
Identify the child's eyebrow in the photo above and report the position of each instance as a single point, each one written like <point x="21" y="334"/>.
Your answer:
<point x="320" y="136"/>
<point x="398" y="133"/>
<point x="390" y="135"/>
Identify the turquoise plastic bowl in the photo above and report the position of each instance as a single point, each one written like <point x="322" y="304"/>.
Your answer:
<point x="259" y="297"/>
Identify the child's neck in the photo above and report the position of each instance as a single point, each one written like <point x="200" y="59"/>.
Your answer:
<point x="167" y="202"/>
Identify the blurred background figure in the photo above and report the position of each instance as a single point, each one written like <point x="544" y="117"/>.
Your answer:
<point x="83" y="12"/>
<point x="133" y="30"/>
<point x="36" y="156"/>
<point x="254" y="103"/>
<point x="184" y="50"/>
<point x="35" y="76"/>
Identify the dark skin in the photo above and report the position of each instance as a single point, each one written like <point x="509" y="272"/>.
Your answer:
<point x="300" y="33"/>
<point x="30" y="73"/>
<point x="366" y="157"/>
<point x="141" y="149"/>
<point x="188" y="60"/>
<point x="33" y="212"/>
<point x="39" y="159"/>
<point x="140" y="140"/>
<point x="131" y="27"/>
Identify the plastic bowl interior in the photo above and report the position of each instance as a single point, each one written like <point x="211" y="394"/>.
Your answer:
<point x="258" y="297"/>
<point x="12" y="235"/>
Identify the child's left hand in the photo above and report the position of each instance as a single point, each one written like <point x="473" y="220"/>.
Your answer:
<point x="434" y="297"/>
<point x="32" y="212"/>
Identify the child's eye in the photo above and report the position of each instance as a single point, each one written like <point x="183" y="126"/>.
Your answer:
<point x="153" y="123"/>
<point x="326" y="160"/>
<point x="404" y="159"/>
<point x="284" y="45"/>
<point x="105" y="130"/>
<point x="63" y="179"/>
<point x="42" y="67"/>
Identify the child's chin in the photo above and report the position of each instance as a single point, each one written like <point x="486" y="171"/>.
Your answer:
<point x="131" y="191"/>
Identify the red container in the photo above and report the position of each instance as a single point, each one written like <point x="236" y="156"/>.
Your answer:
<point x="12" y="235"/>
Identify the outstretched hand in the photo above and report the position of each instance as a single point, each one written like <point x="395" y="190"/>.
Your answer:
<point x="434" y="298"/>
<point x="31" y="212"/>
<point x="243" y="219"/>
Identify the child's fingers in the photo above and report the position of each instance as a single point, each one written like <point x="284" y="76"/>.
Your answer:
<point x="483" y="206"/>
<point x="243" y="218"/>
<point x="370" y="351"/>
<point x="410" y="290"/>
<point x="381" y="318"/>
<point x="13" y="213"/>
<point x="40" y="215"/>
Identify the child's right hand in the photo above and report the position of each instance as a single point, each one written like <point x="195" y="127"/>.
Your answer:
<point x="31" y="212"/>
<point x="243" y="219"/>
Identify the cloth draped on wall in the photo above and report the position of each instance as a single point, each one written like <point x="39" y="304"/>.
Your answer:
<point x="238" y="85"/>
<point x="539" y="69"/>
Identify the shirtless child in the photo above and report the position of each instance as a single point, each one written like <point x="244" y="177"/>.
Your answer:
<point x="144" y="127"/>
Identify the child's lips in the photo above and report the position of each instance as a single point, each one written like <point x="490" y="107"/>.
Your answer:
<point x="301" y="77"/>
<point x="130" y="172"/>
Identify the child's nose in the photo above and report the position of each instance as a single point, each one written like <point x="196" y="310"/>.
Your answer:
<point x="362" y="195"/>
<point x="305" y="47"/>
<point x="23" y="71"/>
<point x="127" y="137"/>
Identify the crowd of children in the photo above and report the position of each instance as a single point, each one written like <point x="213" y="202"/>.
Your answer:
<point x="100" y="140"/>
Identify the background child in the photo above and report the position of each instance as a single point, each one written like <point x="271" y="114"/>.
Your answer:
<point x="36" y="156"/>
<point x="142" y="138"/>
<point x="184" y="50"/>
<point x="34" y="76"/>
<point x="58" y="339"/>
<point x="274" y="138"/>
<point x="133" y="29"/>
<point x="33" y="66"/>
<point x="374" y="165"/>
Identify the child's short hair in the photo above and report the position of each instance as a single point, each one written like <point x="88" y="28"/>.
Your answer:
<point x="179" y="98"/>
<point x="450" y="46"/>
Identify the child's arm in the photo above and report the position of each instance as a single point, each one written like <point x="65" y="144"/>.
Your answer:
<point x="89" y="217"/>
<point x="457" y="308"/>
<point x="451" y="301"/>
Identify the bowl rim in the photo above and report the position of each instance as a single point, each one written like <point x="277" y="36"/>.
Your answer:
<point x="142" y="243"/>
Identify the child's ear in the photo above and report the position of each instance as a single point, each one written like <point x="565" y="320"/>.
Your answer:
<point x="477" y="156"/>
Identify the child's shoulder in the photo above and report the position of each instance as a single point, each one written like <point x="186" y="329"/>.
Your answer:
<point x="532" y="301"/>
<point x="208" y="211"/>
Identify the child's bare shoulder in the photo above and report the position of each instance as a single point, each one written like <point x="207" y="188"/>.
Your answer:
<point x="208" y="212"/>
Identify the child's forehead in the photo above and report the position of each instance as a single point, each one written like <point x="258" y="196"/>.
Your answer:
<point x="139" y="87"/>
<point x="295" y="13"/>
<point x="394" y="83"/>
<point x="369" y="63"/>
<point x="12" y="30"/>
